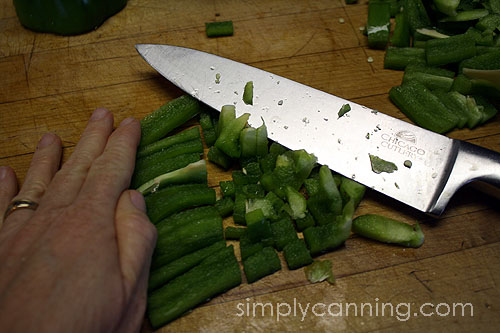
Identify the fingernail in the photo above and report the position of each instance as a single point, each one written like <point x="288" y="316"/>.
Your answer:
<point x="127" y="121"/>
<point x="138" y="200"/>
<point x="3" y="172"/>
<point x="99" y="114"/>
<point x="46" y="140"/>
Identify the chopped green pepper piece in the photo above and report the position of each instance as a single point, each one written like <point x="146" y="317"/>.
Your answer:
<point x="378" y="24"/>
<point x="379" y="165"/>
<point x="388" y="230"/>
<point x="168" y="117"/>
<point x="219" y="29"/>
<point x="453" y="49"/>
<point x="224" y="206"/>
<point x="487" y="61"/>
<point x="248" y="247"/>
<point x="475" y="115"/>
<point x="159" y="166"/>
<point x="208" y="128"/>
<point x="261" y="264"/>
<point x="422" y="68"/>
<point x="488" y="109"/>
<point x="258" y="227"/>
<point x="192" y="133"/>
<point x="228" y="140"/>
<point x="401" y="35"/>
<point x="234" y="233"/>
<point x="162" y="275"/>
<point x="306" y="222"/>
<point x="416" y="14"/>
<point x="344" y="109"/>
<point x="400" y="57"/>
<point x="447" y="7"/>
<point x="174" y="221"/>
<point x="217" y="156"/>
<point x="466" y="15"/>
<point x="239" y="209"/>
<point x="433" y="82"/>
<point x="296" y="254"/>
<point x="351" y="190"/>
<point x="489" y="22"/>
<point x="283" y="233"/>
<point x="175" y="198"/>
<point x="423" y="107"/>
<point x="214" y="275"/>
<point x="227" y="188"/>
<point x="192" y="173"/>
<point x="248" y="93"/>
<point x="296" y="203"/>
<point x="455" y="101"/>
<point x="186" y="239"/>
<point x="320" y="270"/>
<point x="327" y="203"/>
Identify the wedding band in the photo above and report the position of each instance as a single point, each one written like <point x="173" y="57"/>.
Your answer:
<point x="19" y="204"/>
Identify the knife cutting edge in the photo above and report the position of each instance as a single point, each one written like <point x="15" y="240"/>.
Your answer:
<point x="430" y="167"/>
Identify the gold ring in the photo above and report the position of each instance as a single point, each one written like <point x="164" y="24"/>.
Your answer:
<point x="19" y="204"/>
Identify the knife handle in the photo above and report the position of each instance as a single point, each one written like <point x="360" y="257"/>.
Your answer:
<point x="471" y="163"/>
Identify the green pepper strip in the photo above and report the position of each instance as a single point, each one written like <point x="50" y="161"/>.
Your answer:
<point x="162" y="275"/>
<point x="400" y="57"/>
<point x="192" y="173"/>
<point x="453" y="49"/>
<point x="214" y="275"/>
<point x="208" y="128"/>
<point x="168" y="117"/>
<point x="224" y="206"/>
<point x="219" y="29"/>
<point x="388" y="230"/>
<point x="192" y="133"/>
<point x="401" y="35"/>
<point x="186" y="239"/>
<point x="378" y="24"/>
<point x="423" y="107"/>
<point x="174" y="221"/>
<point x="159" y="166"/>
<point x="175" y="198"/>
<point x="234" y="233"/>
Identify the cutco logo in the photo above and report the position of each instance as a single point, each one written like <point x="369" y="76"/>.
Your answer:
<point x="403" y="142"/>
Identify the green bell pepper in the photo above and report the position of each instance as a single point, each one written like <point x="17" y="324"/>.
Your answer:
<point x="66" y="17"/>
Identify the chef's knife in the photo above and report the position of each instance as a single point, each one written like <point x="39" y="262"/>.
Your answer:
<point x="430" y="167"/>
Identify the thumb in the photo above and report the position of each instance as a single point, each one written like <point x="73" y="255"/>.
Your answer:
<point x="136" y="238"/>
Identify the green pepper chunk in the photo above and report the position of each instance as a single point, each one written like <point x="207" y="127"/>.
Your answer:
<point x="378" y="25"/>
<point x="261" y="264"/>
<point x="388" y="230"/>
<point x="219" y="29"/>
<point x="401" y="35"/>
<point x="228" y="140"/>
<point x="296" y="254"/>
<point x="283" y="233"/>
<point x="66" y="17"/>
<point x="400" y="57"/>
<point x="234" y="233"/>
<point x="224" y="206"/>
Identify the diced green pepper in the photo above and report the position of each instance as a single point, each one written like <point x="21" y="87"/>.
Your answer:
<point x="227" y="188"/>
<point x="224" y="206"/>
<point x="466" y="15"/>
<point x="455" y="101"/>
<point x="327" y="203"/>
<point x="234" y="233"/>
<point x="219" y="29"/>
<point x="208" y="128"/>
<point x="261" y="264"/>
<point x="416" y="14"/>
<point x="228" y="140"/>
<point x="306" y="222"/>
<point x="320" y="270"/>
<point x="217" y="156"/>
<point x="296" y="254"/>
<point x="283" y="233"/>
<point x="248" y="93"/>
<point x="296" y="203"/>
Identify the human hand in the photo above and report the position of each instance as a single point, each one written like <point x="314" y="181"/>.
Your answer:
<point x="80" y="261"/>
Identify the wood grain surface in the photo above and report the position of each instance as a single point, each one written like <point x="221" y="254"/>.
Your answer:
<point x="51" y="83"/>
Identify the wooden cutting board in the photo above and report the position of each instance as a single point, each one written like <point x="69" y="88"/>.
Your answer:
<point x="53" y="83"/>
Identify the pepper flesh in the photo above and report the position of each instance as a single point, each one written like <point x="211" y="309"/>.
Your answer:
<point x="66" y="17"/>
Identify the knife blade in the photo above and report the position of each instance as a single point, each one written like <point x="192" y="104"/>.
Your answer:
<point x="430" y="167"/>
